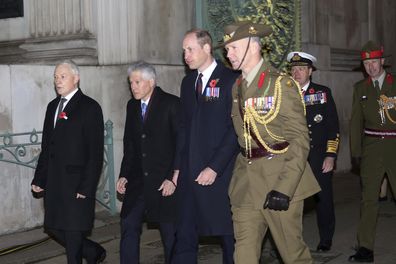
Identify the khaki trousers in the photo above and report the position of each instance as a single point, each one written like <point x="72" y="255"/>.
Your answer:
<point x="250" y="226"/>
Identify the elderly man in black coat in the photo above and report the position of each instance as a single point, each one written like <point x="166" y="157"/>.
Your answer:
<point x="70" y="165"/>
<point x="147" y="178"/>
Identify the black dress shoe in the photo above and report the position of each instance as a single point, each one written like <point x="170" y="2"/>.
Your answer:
<point x="383" y="199"/>
<point x="101" y="257"/>
<point x="362" y="255"/>
<point x="323" y="248"/>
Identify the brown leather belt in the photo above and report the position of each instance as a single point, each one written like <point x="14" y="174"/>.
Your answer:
<point x="262" y="152"/>
<point x="380" y="133"/>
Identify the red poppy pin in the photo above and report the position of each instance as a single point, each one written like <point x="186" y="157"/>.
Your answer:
<point x="389" y="78"/>
<point x="311" y="90"/>
<point x="62" y="115"/>
<point x="213" y="83"/>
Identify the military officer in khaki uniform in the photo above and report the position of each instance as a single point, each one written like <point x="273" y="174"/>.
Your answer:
<point x="271" y="175"/>
<point x="323" y="130"/>
<point x="373" y="142"/>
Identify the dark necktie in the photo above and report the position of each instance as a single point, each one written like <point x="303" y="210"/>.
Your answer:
<point x="144" y="108"/>
<point x="376" y="85"/>
<point x="60" y="107"/>
<point x="198" y="85"/>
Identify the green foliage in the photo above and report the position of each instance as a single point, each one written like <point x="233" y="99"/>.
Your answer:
<point x="282" y="15"/>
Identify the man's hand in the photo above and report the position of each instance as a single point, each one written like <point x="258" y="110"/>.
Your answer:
<point x="121" y="185"/>
<point x="276" y="201"/>
<point x="167" y="187"/>
<point x="206" y="177"/>
<point x="37" y="191"/>
<point x="328" y="164"/>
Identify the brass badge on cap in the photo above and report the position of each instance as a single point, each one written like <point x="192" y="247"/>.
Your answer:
<point x="296" y="57"/>
<point x="227" y="37"/>
<point x="252" y="30"/>
<point x="367" y="55"/>
<point x="318" y="118"/>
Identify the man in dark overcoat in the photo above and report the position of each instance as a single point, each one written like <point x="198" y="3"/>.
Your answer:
<point x="373" y="142"/>
<point x="147" y="178"/>
<point x="207" y="150"/>
<point x="70" y="165"/>
<point x="323" y="130"/>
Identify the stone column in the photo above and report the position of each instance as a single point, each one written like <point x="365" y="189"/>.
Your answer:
<point x="59" y="17"/>
<point x="118" y="29"/>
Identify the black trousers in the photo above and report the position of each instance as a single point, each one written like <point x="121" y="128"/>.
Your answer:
<point x="324" y="200"/>
<point x="77" y="246"/>
<point x="131" y="230"/>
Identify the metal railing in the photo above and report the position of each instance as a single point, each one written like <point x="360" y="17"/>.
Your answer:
<point x="23" y="149"/>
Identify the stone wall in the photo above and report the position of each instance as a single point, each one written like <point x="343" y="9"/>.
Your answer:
<point x="100" y="32"/>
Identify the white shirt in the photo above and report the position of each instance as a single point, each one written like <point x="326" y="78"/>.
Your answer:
<point x="144" y="102"/>
<point x="305" y="87"/>
<point x="206" y="74"/>
<point x="380" y="79"/>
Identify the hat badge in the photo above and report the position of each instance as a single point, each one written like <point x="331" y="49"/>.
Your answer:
<point x="296" y="57"/>
<point x="367" y="55"/>
<point x="252" y="30"/>
<point x="227" y="37"/>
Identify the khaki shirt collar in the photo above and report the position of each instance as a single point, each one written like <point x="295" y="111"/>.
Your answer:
<point x="252" y="74"/>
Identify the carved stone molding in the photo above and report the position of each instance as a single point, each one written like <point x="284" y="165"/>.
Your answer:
<point x="81" y="48"/>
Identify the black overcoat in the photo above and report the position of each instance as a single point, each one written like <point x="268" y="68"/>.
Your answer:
<point x="149" y="151"/>
<point x="70" y="162"/>
<point x="207" y="139"/>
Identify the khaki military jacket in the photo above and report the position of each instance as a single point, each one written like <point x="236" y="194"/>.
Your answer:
<point x="366" y="114"/>
<point x="288" y="173"/>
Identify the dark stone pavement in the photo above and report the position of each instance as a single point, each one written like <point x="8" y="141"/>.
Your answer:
<point x="347" y="196"/>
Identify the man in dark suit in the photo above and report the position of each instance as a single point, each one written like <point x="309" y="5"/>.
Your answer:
<point x="206" y="150"/>
<point x="69" y="166"/>
<point x="323" y="130"/>
<point x="147" y="178"/>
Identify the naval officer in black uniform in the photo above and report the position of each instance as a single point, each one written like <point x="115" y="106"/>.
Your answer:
<point x="322" y="121"/>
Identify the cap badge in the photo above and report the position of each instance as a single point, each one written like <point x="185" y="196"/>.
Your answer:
<point x="227" y="37"/>
<point x="296" y="57"/>
<point x="252" y="30"/>
<point x="367" y="55"/>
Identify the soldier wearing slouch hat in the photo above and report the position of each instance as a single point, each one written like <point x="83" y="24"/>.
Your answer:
<point x="271" y="177"/>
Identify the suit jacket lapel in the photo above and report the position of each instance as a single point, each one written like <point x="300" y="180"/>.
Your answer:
<point x="71" y="105"/>
<point x="73" y="102"/>
<point x="152" y="103"/>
